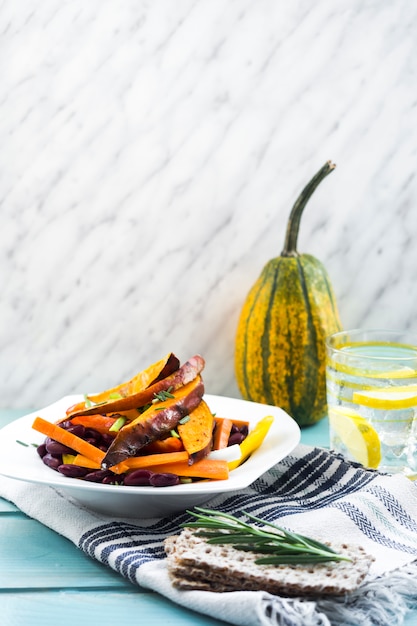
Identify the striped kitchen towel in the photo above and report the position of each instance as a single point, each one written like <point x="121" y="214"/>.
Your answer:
<point x="311" y="491"/>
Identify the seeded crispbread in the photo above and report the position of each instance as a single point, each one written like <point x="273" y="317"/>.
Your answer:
<point x="195" y="564"/>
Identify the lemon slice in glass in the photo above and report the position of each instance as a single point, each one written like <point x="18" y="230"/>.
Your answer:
<point x="402" y="372"/>
<point x="357" y="435"/>
<point x="387" y="398"/>
<point x="399" y="373"/>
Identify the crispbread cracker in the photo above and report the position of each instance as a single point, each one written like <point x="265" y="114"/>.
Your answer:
<point x="195" y="564"/>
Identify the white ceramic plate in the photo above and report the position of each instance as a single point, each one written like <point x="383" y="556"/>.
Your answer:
<point x="23" y="463"/>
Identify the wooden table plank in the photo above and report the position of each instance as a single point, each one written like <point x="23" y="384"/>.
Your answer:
<point x="105" y="608"/>
<point x="317" y="434"/>
<point x="37" y="558"/>
<point x="7" y="507"/>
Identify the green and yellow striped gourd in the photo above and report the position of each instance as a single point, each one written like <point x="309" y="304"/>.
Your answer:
<point x="280" y="350"/>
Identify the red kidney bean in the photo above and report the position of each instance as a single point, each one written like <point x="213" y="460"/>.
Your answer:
<point x="76" y="429"/>
<point x="72" y="471"/>
<point x="244" y="430"/>
<point x="91" y="440"/>
<point x="41" y="450"/>
<point x="164" y="480"/>
<point x="97" y="476"/>
<point x="92" y="432"/>
<point x="56" y="449"/>
<point x="235" y="438"/>
<point x="52" y="461"/>
<point x="112" y="479"/>
<point x="138" y="478"/>
<point x="106" y="440"/>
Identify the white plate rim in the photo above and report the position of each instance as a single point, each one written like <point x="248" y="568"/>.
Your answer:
<point x="283" y="436"/>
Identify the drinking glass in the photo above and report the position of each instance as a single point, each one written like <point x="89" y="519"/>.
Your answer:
<point x="371" y="380"/>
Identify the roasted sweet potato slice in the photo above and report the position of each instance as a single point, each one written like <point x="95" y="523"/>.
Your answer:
<point x="154" y="423"/>
<point x="197" y="433"/>
<point x="182" y="376"/>
<point x="142" y="380"/>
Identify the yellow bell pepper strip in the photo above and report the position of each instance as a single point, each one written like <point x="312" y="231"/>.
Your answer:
<point x="68" y="458"/>
<point x="253" y="440"/>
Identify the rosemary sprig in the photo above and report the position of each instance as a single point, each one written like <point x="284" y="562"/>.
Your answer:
<point x="280" y="546"/>
<point x="22" y="443"/>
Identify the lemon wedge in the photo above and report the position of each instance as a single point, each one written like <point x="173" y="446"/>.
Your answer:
<point x="357" y="435"/>
<point x="387" y="398"/>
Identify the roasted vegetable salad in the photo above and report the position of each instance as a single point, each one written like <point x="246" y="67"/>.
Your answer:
<point x="156" y="429"/>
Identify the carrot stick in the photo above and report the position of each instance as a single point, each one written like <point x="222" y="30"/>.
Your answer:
<point x="100" y="423"/>
<point x="120" y="468"/>
<point x="238" y="423"/>
<point x="170" y="444"/>
<point x="84" y="461"/>
<point x="214" y="469"/>
<point x="138" y="462"/>
<point x="68" y="439"/>
<point x="222" y="433"/>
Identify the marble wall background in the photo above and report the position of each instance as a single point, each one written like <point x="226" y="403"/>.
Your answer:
<point x="150" y="155"/>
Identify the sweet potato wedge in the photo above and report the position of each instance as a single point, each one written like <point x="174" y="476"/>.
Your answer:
<point x="183" y="375"/>
<point x="197" y="432"/>
<point x="142" y="380"/>
<point x="154" y="423"/>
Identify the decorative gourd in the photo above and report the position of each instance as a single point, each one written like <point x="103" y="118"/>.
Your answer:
<point x="280" y="350"/>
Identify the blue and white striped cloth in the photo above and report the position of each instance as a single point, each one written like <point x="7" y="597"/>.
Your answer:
<point x="311" y="491"/>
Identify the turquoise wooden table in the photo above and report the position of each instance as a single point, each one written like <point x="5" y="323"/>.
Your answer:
<point x="45" y="580"/>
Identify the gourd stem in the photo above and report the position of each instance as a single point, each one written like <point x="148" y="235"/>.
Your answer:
<point x="290" y="245"/>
